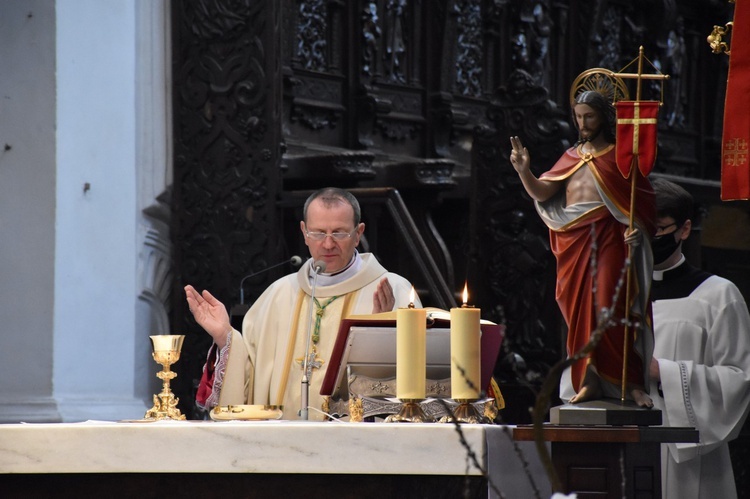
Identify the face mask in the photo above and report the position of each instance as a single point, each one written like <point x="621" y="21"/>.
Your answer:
<point x="663" y="247"/>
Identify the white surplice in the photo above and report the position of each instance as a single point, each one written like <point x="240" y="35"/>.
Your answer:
<point x="702" y="344"/>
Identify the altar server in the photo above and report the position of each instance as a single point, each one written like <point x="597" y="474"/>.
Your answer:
<point x="700" y="373"/>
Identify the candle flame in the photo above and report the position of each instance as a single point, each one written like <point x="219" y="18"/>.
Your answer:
<point x="412" y="295"/>
<point x="466" y="293"/>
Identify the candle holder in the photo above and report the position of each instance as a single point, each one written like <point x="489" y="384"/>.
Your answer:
<point x="410" y="412"/>
<point x="166" y="351"/>
<point x="465" y="412"/>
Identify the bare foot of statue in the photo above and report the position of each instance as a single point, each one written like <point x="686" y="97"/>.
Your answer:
<point x="590" y="389"/>
<point x="640" y="398"/>
<point x="587" y="392"/>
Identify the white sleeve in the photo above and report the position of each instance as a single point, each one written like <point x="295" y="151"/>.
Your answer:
<point x="712" y="396"/>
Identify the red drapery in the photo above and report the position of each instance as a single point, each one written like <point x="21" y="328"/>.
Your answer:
<point x="735" y="162"/>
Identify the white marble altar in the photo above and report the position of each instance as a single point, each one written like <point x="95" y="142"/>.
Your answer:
<point x="269" y="447"/>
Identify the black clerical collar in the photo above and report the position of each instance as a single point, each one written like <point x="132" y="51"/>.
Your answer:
<point x="677" y="282"/>
<point x="659" y="274"/>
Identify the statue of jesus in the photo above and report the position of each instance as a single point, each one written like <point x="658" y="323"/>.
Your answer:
<point x="585" y="202"/>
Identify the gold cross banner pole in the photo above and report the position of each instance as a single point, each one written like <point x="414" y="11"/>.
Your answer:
<point x="634" y="160"/>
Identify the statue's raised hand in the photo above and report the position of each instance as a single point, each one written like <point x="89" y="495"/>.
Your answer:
<point x="519" y="155"/>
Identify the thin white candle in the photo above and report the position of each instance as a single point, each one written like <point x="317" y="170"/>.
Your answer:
<point x="465" y="351"/>
<point x="411" y="352"/>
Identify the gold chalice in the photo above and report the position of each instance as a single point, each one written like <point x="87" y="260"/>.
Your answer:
<point x="166" y="351"/>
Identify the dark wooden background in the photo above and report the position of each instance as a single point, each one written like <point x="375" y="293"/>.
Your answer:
<point x="411" y="102"/>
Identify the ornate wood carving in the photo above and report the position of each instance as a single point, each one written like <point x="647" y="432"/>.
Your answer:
<point x="227" y="153"/>
<point x="312" y="42"/>
<point x="513" y="267"/>
<point x="470" y="57"/>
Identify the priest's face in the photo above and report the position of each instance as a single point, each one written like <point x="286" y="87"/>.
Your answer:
<point x="341" y="236"/>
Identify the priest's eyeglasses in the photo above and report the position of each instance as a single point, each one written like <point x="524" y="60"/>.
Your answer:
<point x="336" y="236"/>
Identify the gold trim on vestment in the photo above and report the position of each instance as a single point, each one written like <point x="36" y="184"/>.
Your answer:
<point x="346" y="312"/>
<point x="290" y="347"/>
<point x="348" y="304"/>
<point x="585" y="157"/>
<point x="603" y="186"/>
<point x="625" y="210"/>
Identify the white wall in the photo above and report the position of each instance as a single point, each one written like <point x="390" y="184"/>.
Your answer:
<point x="27" y="208"/>
<point x="85" y="109"/>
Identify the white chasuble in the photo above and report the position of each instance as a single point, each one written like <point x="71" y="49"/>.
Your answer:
<point x="262" y="365"/>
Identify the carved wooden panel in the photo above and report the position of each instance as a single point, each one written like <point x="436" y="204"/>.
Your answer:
<point x="514" y="269"/>
<point x="227" y="152"/>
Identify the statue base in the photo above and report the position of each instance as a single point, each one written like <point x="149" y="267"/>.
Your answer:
<point x="606" y="411"/>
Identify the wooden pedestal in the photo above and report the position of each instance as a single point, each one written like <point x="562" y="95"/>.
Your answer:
<point x="609" y="461"/>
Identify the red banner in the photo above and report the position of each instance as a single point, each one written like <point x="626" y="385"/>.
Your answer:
<point x="735" y="167"/>
<point x="636" y="135"/>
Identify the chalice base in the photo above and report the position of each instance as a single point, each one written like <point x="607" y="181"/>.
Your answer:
<point x="165" y="404"/>
<point x="165" y="407"/>
<point x="410" y="412"/>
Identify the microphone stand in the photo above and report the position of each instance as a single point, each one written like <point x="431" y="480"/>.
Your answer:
<point x="295" y="261"/>
<point x="305" y="395"/>
<point x="239" y="310"/>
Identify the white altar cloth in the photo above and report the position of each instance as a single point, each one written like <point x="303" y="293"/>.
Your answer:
<point x="271" y="447"/>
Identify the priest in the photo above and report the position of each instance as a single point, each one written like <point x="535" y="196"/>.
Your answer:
<point x="700" y="372"/>
<point x="264" y="364"/>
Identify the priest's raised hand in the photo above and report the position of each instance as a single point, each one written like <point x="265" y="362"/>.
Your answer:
<point x="383" y="299"/>
<point x="210" y="314"/>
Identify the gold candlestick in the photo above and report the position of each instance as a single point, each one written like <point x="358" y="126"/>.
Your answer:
<point x="166" y="351"/>
<point x="465" y="412"/>
<point x="410" y="412"/>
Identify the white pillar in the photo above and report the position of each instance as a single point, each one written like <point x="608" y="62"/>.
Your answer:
<point x="95" y="248"/>
<point x="85" y="271"/>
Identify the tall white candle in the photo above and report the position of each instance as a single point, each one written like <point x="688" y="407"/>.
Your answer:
<point x="411" y="352"/>
<point x="465" y="352"/>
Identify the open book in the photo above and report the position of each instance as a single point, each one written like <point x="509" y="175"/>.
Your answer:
<point x="371" y="338"/>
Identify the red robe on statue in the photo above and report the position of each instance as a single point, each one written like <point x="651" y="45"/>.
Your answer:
<point x="578" y="230"/>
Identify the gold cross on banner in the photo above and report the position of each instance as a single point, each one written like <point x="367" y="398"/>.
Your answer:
<point x="636" y="121"/>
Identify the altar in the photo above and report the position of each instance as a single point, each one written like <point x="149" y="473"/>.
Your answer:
<point x="266" y="459"/>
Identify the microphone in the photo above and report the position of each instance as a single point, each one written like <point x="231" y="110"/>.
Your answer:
<point x="318" y="266"/>
<point x="295" y="261"/>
